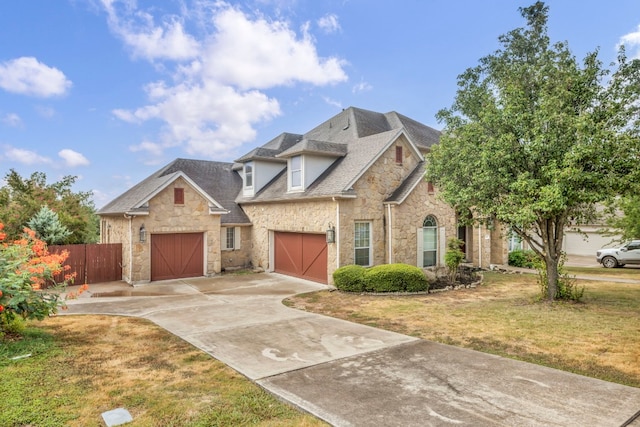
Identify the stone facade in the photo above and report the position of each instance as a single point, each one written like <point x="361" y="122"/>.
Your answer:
<point x="294" y="216"/>
<point x="395" y="226"/>
<point x="409" y="216"/>
<point x="164" y="216"/>
<point x="372" y="189"/>
<point x="118" y="229"/>
<point x="238" y="258"/>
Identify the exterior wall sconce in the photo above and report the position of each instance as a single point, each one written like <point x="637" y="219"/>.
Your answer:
<point x="331" y="233"/>
<point x="143" y="234"/>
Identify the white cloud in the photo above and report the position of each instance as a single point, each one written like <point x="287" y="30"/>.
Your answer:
<point x="28" y="76"/>
<point x="632" y="43"/>
<point x="329" y="23"/>
<point x="146" y="39"/>
<point x="152" y="148"/>
<point x="332" y="102"/>
<point x="263" y="54"/>
<point x="73" y="158"/>
<point x="214" y="101"/>
<point x="11" y="119"/>
<point x="25" y="157"/>
<point x="361" y="87"/>
<point x="210" y="118"/>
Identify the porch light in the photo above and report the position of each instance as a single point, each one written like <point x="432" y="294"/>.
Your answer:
<point x="331" y="234"/>
<point x="143" y="234"/>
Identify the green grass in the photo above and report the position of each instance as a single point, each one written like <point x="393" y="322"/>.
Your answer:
<point x="81" y="366"/>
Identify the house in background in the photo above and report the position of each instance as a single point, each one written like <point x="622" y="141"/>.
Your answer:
<point x="350" y="191"/>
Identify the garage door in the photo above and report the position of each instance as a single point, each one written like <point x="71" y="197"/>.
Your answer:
<point x="175" y="256"/>
<point x="301" y="255"/>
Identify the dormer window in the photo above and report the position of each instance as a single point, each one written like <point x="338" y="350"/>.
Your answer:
<point x="248" y="175"/>
<point x="295" y="173"/>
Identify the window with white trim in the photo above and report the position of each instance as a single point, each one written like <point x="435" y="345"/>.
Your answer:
<point x="248" y="174"/>
<point x="362" y="243"/>
<point x="230" y="238"/>
<point x="514" y="242"/>
<point x="295" y="172"/>
<point x="429" y="241"/>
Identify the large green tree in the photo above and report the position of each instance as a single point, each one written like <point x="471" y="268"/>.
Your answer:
<point x="22" y="198"/>
<point x="534" y="138"/>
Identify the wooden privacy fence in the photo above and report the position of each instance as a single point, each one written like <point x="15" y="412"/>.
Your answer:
<point x="93" y="263"/>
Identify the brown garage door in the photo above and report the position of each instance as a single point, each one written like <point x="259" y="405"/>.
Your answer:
<point x="174" y="256"/>
<point x="301" y="255"/>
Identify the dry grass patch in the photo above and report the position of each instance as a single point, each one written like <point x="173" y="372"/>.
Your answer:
<point x="598" y="338"/>
<point x="86" y="365"/>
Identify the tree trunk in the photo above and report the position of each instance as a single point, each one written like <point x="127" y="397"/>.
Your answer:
<point x="553" y="235"/>
<point x="552" y="277"/>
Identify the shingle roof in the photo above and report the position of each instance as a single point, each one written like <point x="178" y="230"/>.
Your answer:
<point x="408" y="184"/>
<point x="271" y="149"/>
<point x="356" y="137"/>
<point x="216" y="179"/>
<point x="324" y="148"/>
<point x="363" y="134"/>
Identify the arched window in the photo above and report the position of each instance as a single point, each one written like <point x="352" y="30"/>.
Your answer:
<point x="429" y="241"/>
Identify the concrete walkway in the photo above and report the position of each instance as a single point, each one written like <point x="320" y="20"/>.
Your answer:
<point x="353" y="375"/>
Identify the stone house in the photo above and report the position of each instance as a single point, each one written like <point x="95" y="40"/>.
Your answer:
<point x="349" y="191"/>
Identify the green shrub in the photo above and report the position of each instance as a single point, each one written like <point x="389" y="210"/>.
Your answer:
<point x="522" y="258"/>
<point x="11" y="326"/>
<point x="395" y="278"/>
<point x="349" y="278"/>
<point x="453" y="257"/>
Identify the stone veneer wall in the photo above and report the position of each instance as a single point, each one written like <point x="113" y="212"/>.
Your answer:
<point x="238" y="257"/>
<point x="294" y="216"/>
<point x="115" y="229"/>
<point x="409" y="216"/>
<point x="372" y="189"/>
<point x="164" y="217"/>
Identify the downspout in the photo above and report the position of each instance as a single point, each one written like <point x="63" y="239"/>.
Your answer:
<point x="130" y="217"/>
<point x="337" y="233"/>
<point x="389" y="232"/>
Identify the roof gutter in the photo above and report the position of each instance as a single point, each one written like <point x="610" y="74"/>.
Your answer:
<point x="136" y="213"/>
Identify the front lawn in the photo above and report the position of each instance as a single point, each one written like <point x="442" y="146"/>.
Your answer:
<point x="82" y="366"/>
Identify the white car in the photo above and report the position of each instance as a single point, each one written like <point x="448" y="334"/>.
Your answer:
<point x="617" y="257"/>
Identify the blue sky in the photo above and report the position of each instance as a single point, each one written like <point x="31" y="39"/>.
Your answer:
<point x="111" y="90"/>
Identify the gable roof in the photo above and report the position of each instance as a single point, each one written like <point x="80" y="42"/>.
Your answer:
<point x="415" y="177"/>
<point x="310" y="146"/>
<point x="270" y="150"/>
<point x="358" y="137"/>
<point x="215" y="181"/>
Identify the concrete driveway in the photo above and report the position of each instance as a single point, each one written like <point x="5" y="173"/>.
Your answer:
<point x="353" y="375"/>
